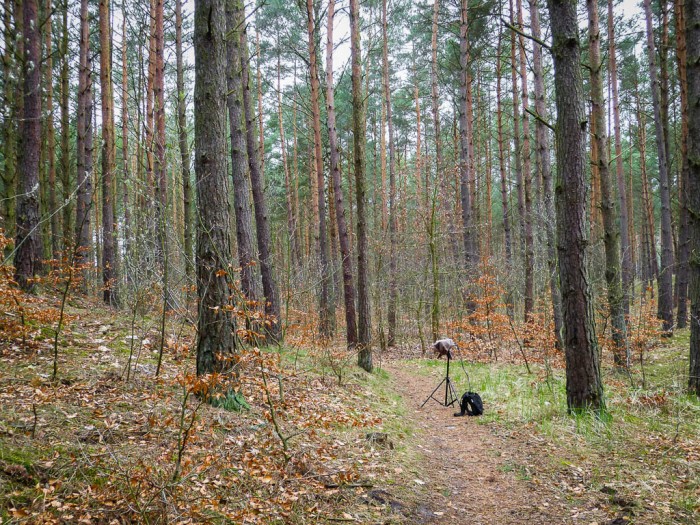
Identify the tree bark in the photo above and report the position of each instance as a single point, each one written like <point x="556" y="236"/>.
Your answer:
<point x="9" y="127"/>
<point x="508" y="249"/>
<point x="517" y="158"/>
<point x="434" y="93"/>
<point x="544" y="167"/>
<point x="665" y="278"/>
<point x="84" y="145"/>
<point x="216" y="327"/>
<point x="50" y="137"/>
<point x="159" y="116"/>
<point x="125" y="140"/>
<point x="364" y="356"/>
<point x="584" y="388"/>
<point x="257" y="182"/>
<point x="109" y="260"/>
<point x="692" y="35"/>
<point x="288" y="185"/>
<point x="183" y="139"/>
<point x="464" y="160"/>
<point x="245" y="237"/>
<point x="67" y="233"/>
<point x="527" y="179"/>
<point x="625" y="217"/>
<point x="27" y="245"/>
<point x="343" y="237"/>
<point x="393" y="248"/>
<point x="683" y="233"/>
<point x="325" y="304"/>
<point x="611" y="237"/>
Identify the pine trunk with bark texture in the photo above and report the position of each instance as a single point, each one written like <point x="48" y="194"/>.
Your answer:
<point x="27" y="246"/>
<point x="544" y="166"/>
<point x="692" y="35"/>
<point x="584" y="388"/>
<point x="665" y="277"/>
<point x="683" y="233"/>
<point x="84" y="145"/>
<point x="245" y="236"/>
<point x="183" y="140"/>
<point x="109" y="244"/>
<point x="9" y="126"/>
<point x="393" y="263"/>
<point x="257" y="182"/>
<point x="364" y="356"/>
<point x="67" y="186"/>
<point x="325" y="304"/>
<point x="216" y="326"/>
<point x="160" y="168"/>
<point x="508" y="249"/>
<point x="625" y="217"/>
<point x="343" y="237"/>
<point x="464" y="164"/>
<point x="611" y="236"/>
<point x="527" y="179"/>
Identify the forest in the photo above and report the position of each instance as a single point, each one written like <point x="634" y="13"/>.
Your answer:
<point x="231" y="232"/>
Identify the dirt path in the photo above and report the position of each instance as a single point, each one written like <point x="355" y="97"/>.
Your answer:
<point x="472" y="474"/>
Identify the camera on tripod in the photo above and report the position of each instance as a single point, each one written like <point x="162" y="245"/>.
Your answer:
<point x="444" y="347"/>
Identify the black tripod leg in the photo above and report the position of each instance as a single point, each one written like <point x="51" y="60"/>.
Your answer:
<point x="433" y="393"/>
<point x="453" y="393"/>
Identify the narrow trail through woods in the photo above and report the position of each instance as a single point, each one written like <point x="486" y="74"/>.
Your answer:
<point x="468" y="467"/>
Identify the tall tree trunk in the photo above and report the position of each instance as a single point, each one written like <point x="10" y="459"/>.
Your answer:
<point x="125" y="140"/>
<point x="544" y="166"/>
<point x="527" y="179"/>
<point x="665" y="279"/>
<point x="435" y="94"/>
<point x="216" y="326"/>
<point x="364" y="356"/>
<point x="508" y="249"/>
<point x="692" y="35"/>
<point x="183" y="139"/>
<point x="27" y="245"/>
<point x="418" y="162"/>
<point x="150" y="124"/>
<point x="295" y="175"/>
<point x="83" y="145"/>
<point x="325" y="306"/>
<point x="625" y="217"/>
<point x="584" y="388"/>
<point x="65" y="138"/>
<point x="9" y="136"/>
<point x="343" y="238"/>
<point x="288" y="184"/>
<point x="257" y="182"/>
<point x="518" y="164"/>
<point x="611" y="238"/>
<point x="50" y="137"/>
<point x="683" y="233"/>
<point x="245" y="237"/>
<point x="109" y="244"/>
<point x="393" y="264"/>
<point x="652" y="270"/>
<point x="159" y="117"/>
<point x="464" y="160"/>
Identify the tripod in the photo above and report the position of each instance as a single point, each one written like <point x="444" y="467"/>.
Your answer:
<point x="450" y="392"/>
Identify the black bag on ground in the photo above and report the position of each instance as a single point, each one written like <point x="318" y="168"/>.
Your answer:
<point x="470" y="405"/>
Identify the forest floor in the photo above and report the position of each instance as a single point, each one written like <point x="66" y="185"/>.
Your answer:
<point x="527" y="461"/>
<point x="319" y="441"/>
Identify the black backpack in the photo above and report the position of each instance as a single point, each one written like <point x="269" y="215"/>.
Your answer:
<point x="470" y="405"/>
